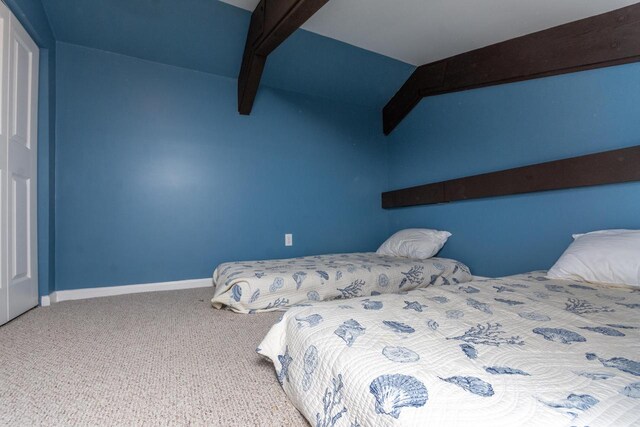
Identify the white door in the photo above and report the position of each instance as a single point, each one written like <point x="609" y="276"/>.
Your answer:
<point x="5" y="19"/>
<point x="19" y="130"/>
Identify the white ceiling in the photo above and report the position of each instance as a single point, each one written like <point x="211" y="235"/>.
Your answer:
<point x="422" y="31"/>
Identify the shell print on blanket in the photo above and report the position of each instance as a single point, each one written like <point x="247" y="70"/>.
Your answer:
<point x="399" y="327"/>
<point x="604" y="330"/>
<point x="433" y="325"/>
<point x="313" y="296"/>
<point x="349" y="331"/>
<point x="309" y="321"/>
<point x="236" y="292"/>
<point x="568" y="359"/>
<point x="472" y="384"/>
<point x="625" y="365"/>
<point x="383" y="280"/>
<point x="310" y="364"/>
<point x="534" y="316"/>
<point x="573" y="404"/>
<point x="371" y="305"/>
<point x="299" y="277"/>
<point x="415" y="306"/>
<point x="255" y="296"/>
<point x="280" y="284"/>
<point x="285" y="360"/>
<point x="469" y="350"/>
<point x="632" y="390"/>
<point x="395" y="392"/>
<point x="503" y="370"/>
<point x="560" y="335"/>
<point x="596" y="376"/>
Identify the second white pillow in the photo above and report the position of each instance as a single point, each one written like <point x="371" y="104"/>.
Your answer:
<point x="607" y="256"/>
<point x="416" y="243"/>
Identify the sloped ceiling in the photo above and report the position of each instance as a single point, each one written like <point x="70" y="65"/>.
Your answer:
<point x="422" y="31"/>
<point x="209" y="36"/>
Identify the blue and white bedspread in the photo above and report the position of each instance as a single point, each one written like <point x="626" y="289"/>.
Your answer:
<point x="253" y="286"/>
<point x="516" y="351"/>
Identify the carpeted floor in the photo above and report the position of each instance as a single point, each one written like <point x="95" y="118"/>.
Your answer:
<point x="163" y="358"/>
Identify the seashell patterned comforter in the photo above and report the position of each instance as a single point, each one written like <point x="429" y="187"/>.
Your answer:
<point x="254" y="286"/>
<point x="516" y="351"/>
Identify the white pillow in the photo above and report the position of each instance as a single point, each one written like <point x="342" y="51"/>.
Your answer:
<point x="608" y="256"/>
<point x="416" y="243"/>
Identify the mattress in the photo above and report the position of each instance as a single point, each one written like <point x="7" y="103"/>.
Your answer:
<point x="255" y="286"/>
<point x="519" y="350"/>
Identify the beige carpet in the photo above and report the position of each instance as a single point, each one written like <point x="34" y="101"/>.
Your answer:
<point x="163" y="358"/>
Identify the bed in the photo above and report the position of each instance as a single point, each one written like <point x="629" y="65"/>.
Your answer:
<point x="519" y="350"/>
<point x="257" y="286"/>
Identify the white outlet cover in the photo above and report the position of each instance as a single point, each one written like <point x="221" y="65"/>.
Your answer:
<point x="288" y="239"/>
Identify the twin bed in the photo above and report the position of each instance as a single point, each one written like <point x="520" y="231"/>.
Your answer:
<point x="433" y="346"/>
<point x="248" y="287"/>
<point x="520" y="350"/>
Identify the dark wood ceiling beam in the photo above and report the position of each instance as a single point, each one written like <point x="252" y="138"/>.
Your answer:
<point x="604" y="40"/>
<point x="609" y="167"/>
<point x="272" y="22"/>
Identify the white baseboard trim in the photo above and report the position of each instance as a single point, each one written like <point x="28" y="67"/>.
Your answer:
<point x="107" y="291"/>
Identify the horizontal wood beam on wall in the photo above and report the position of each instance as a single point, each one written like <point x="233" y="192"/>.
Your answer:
<point x="272" y="22"/>
<point x="604" y="40"/>
<point x="609" y="167"/>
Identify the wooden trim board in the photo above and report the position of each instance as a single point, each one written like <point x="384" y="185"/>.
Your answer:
<point x="609" y="167"/>
<point x="107" y="291"/>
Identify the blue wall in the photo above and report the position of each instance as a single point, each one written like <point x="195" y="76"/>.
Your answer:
<point x="33" y="18"/>
<point x="500" y="127"/>
<point x="159" y="178"/>
<point x="209" y="36"/>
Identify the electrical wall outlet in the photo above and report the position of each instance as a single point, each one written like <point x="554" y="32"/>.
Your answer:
<point x="288" y="239"/>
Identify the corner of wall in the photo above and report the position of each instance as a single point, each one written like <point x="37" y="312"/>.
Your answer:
<point x="52" y="169"/>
